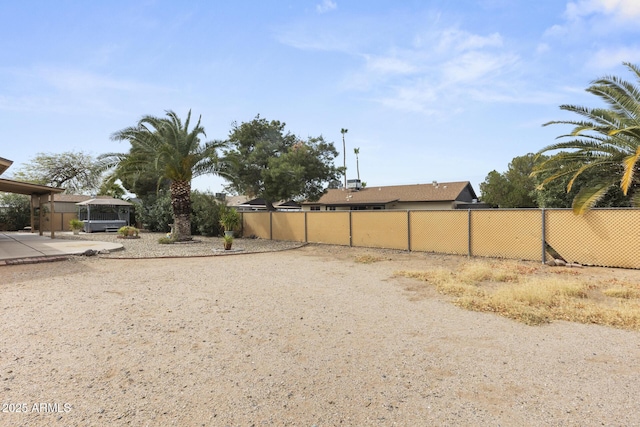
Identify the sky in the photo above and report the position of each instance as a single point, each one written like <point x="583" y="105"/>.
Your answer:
<point x="433" y="90"/>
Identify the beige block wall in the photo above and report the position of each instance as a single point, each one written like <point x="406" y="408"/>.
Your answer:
<point x="256" y="224"/>
<point x="288" y="226"/>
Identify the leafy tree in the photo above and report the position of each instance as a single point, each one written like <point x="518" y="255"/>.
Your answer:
<point x="165" y="147"/>
<point x="77" y="173"/>
<point x="514" y="188"/>
<point x="15" y="213"/>
<point x="554" y="193"/>
<point x="606" y="143"/>
<point x="264" y="161"/>
<point x="113" y="189"/>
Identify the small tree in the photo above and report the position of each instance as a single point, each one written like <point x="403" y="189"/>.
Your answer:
<point x="14" y="211"/>
<point x="77" y="173"/>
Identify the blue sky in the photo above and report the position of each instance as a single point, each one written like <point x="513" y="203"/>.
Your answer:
<point x="444" y="90"/>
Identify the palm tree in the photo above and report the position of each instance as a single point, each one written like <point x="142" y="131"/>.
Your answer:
<point x="356" y="151"/>
<point x="167" y="147"/>
<point x="607" y="141"/>
<point x="344" y="155"/>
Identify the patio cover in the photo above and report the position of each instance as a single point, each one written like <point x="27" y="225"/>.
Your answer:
<point x="109" y="201"/>
<point x="36" y="192"/>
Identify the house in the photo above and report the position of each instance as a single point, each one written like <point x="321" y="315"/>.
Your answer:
<point x="244" y="204"/>
<point x="434" y="196"/>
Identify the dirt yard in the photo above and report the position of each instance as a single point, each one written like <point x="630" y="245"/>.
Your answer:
<point x="303" y="337"/>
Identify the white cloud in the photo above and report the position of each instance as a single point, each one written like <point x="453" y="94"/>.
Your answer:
<point x="624" y="10"/>
<point x="605" y="59"/>
<point x="389" y="65"/>
<point x="457" y="40"/>
<point x="326" y="6"/>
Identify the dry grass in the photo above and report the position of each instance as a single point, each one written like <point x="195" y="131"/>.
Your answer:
<point x="367" y="259"/>
<point x="533" y="296"/>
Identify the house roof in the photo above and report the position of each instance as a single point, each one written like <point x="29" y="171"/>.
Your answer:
<point x="236" y="200"/>
<point x="435" y="192"/>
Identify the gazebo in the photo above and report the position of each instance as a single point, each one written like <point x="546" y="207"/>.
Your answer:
<point x="104" y="214"/>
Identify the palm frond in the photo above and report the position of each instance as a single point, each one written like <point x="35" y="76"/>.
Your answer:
<point x="629" y="169"/>
<point x="587" y="197"/>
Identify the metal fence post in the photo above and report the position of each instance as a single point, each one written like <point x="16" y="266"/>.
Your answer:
<point x="408" y="230"/>
<point x="350" y="230"/>
<point x="544" y="236"/>
<point x="469" y="254"/>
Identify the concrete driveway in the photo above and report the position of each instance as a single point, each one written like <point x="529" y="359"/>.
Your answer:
<point x="27" y="245"/>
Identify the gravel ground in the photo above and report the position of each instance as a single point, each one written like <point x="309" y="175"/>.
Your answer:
<point x="301" y="338"/>
<point x="147" y="245"/>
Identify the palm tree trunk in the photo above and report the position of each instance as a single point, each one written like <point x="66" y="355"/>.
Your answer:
<point x="181" y="204"/>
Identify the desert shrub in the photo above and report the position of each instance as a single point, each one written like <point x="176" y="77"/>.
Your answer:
<point x="154" y="212"/>
<point x="128" y="231"/>
<point x="205" y="214"/>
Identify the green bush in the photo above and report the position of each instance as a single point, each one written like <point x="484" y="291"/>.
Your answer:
<point x="128" y="231"/>
<point x="14" y="211"/>
<point x="154" y="212"/>
<point x="205" y="214"/>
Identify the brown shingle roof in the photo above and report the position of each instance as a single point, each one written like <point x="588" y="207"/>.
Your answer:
<point x="70" y="198"/>
<point x="436" y="192"/>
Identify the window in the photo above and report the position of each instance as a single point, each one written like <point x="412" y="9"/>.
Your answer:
<point x="315" y="208"/>
<point x="332" y="208"/>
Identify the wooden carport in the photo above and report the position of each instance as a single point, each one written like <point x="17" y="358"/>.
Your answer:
<point x="40" y="194"/>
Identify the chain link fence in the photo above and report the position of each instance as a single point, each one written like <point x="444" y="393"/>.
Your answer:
<point x="602" y="237"/>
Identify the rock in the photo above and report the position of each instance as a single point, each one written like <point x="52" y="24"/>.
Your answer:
<point x="90" y="252"/>
<point x="104" y="252"/>
<point x="560" y="262"/>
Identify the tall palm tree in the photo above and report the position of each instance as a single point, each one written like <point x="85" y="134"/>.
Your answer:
<point x="167" y="147"/>
<point x="344" y="155"/>
<point x="606" y="141"/>
<point x="356" y="151"/>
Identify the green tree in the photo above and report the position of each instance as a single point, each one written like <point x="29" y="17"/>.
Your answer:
<point x="168" y="149"/>
<point x="514" y="188"/>
<point x="605" y="143"/>
<point x="356" y="151"/>
<point x="77" y="173"/>
<point x="554" y="194"/>
<point x="15" y="212"/>
<point x="264" y="161"/>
